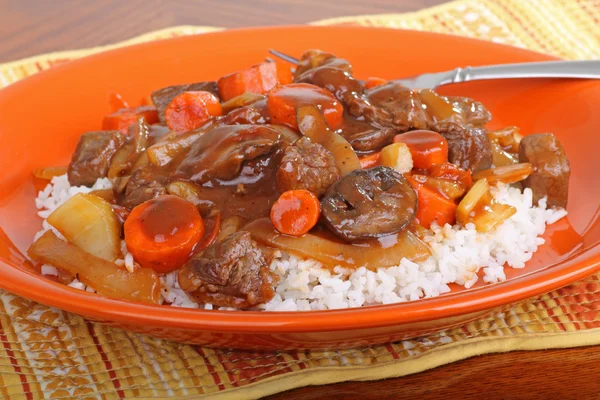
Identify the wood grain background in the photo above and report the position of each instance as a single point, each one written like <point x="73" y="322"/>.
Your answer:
<point x="30" y="27"/>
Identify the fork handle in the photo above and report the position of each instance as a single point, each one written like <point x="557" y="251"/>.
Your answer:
<point x="589" y="69"/>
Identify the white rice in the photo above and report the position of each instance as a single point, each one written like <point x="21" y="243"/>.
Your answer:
<point x="458" y="255"/>
<point x="59" y="190"/>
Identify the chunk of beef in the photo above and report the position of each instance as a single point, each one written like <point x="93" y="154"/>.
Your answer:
<point x="230" y="273"/>
<point x="135" y="145"/>
<point x="551" y="168"/>
<point x="343" y="86"/>
<point x="369" y="203"/>
<point x="307" y="165"/>
<point x="162" y="97"/>
<point x="471" y="112"/>
<point x="469" y="148"/>
<point x="350" y="93"/>
<point x="402" y="104"/>
<point x="144" y="184"/>
<point x="314" y="59"/>
<point x="220" y="153"/>
<point x="368" y="139"/>
<point x="91" y="159"/>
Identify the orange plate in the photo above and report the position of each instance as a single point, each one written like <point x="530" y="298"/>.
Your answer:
<point x="42" y="117"/>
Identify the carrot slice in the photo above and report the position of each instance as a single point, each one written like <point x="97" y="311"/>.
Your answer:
<point x="448" y="188"/>
<point x="432" y="206"/>
<point x="450" y="171"/>
<point x="125" y="117"/>
<point x="283" y="102"/>
<point x="190" y="110"/>
<point x="295" y="212"/>
<point x="428" y="148"/>
<point x="373" y="82"/>
<point x="372" y="160"/>
<point x="161" y="233"/>
<point x="259" y="78"/>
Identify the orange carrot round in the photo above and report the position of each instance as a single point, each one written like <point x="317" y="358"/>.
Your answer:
<point x="295" y="212"/>
<point x="190" y="110"/>
<point x="373" y="82"/>
<point x="121" y="120"/>
<point x="259" y="78"/>
<point x="283" y="101"/>
<point x="428" y="148"/>
<point x="161" y="233"/>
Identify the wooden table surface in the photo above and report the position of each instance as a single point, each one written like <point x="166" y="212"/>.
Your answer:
<point x="30" y="27"/>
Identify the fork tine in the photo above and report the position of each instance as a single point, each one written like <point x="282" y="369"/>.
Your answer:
<point x="285" y="57"/>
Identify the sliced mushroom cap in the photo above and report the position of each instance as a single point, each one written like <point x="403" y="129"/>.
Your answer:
<point x="368" y="204"/>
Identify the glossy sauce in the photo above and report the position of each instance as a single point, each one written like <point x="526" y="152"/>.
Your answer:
<point x="288" y="98"/>
<point x="425" y="146"/>
<point x="167" y="216"/>
<point x="247" y="188"/>
<point x="437" y="106"/>
<point x="251" y="194"/>
<point x="157" y="131"/>
<point x="364" y="137"/>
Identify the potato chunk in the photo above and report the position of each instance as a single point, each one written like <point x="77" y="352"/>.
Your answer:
<point x="89" y="222"/>
<point x="397" y="156"/>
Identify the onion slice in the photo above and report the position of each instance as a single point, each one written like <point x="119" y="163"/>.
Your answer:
<point x="507" y="174"/>
<point x="380" y="253"/>
<point x="241" y="101"/>
<point x="105" y="277"/>
<point x="313" y="125"/>
<point x="48" y="173"/>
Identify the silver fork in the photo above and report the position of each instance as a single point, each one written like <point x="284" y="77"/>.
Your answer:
<point x="587" y="69"/>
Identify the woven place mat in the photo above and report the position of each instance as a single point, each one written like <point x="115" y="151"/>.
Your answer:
<point x="47" y="353"/>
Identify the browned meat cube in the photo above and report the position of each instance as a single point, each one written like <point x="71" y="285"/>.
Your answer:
<point x="469" y="148"/>
<point x="307" y="165"/>
<point x="144" y="184"/>
<point x="162" y="97"/>
<point x="402" y="104"/>
<point x="92" y="156"/>
<point x="231" y="273"/>
<point x="551" y="172"/>
<point x="314" y="59"/>
<point x="472" y="113"/>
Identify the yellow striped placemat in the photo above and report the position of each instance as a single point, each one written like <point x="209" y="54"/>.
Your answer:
<point x="47" y="353"/>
